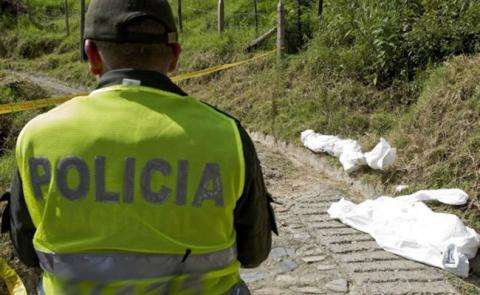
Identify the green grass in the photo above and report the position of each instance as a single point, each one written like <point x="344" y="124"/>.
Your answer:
<point x="13" y="90"/>
<point x="404" y="70"/>
<point x="46" y="47"/>
<point x="7" y="165"/>
<point x="440" y="135"/>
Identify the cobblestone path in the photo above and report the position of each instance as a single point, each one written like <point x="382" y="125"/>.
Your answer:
<point x="317" y="255"/>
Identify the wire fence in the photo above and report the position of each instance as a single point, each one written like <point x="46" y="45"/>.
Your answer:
<point x="261" y="10"/>
<point x="227" y="18"/>
<point x="65" y="14"/>
<point x="259" y="16"/>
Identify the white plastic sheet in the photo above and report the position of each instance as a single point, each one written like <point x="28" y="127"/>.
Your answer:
<point x="447" y="196"/>
<point x="407" y="227"/>
<point x="382" y="156"/>
<point x="400" y="188"/>
<point x="349" y="151"/>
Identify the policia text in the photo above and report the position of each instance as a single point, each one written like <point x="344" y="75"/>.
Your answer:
<point x="209" y="187"/>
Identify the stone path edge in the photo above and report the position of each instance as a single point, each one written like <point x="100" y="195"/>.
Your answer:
<point x="302" y="155"/>
<point x="320" y="163"/>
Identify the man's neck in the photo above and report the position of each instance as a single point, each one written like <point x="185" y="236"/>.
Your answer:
<point x="146" y="78"/>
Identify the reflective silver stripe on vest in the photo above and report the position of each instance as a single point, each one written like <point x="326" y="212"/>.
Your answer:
<point x="107" y="267"/>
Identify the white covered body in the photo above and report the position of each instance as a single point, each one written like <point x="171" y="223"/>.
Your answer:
<point x="409" y="228"/>
<point x="349" y="151"/>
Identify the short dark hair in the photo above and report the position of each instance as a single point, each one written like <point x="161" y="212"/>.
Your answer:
<point x="136" y="55"/>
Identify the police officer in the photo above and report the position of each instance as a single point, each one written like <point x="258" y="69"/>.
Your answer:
<point x="137" y="188"/>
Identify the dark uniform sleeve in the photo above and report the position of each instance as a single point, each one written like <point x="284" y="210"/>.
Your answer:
<point x="254" y="216"/>
<point x="16" y="220"/>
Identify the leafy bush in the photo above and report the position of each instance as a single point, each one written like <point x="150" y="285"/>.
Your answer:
<point x="300" y="23"/>
<point x="36" y="46"/>
<point x="380" y="41"/>
<point x="446" y="28"/>
<point x="12" y="7"/>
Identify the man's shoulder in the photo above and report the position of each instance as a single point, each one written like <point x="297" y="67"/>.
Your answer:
<point x="244" y="135"/>
<point x="219" y="112"/>
<point x="57" y="118"/>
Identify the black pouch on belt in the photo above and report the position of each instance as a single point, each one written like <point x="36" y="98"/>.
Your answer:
<point x="6" y="220"/>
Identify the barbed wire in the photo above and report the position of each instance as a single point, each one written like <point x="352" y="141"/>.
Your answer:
<point x="260" y="16"/>
<point x="53" y="18"/>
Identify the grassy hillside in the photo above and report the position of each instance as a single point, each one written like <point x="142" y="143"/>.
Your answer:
<point x="366" y="70"/>
<point x="408" y="71"/>
<point x="37" y="41"/>
<point x="439" y="138"/>
<point x="13" y="90"/>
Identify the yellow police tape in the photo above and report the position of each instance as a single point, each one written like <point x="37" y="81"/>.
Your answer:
<point x="41" y="103"/>
<point x="218" y="68"/>
<point x="12" y="280"/>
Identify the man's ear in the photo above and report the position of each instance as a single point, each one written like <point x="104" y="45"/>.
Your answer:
<point x="94" y="58"/>
<point x="176" y="51"/>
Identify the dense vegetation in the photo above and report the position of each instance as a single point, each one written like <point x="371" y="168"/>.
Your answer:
<point x="407" y="70"/>
<point x="14" y="90"/>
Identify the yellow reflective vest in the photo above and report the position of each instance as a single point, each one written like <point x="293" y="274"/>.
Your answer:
<point x="132" y="189"/>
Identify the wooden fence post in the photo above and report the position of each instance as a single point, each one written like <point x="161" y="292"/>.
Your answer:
<point x="221" y="16"/>
<point x="279" y="91"/>
<point x="180" y="17"/>
<point x="320" y="8"/>
<point x="280" y="30"/>
<point x="67" y="16"/>
<point x="256" y="16"/>
<point x="82" y="30"/>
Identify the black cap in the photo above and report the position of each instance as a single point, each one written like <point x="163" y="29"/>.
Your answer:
<point x="109" y="20"/>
